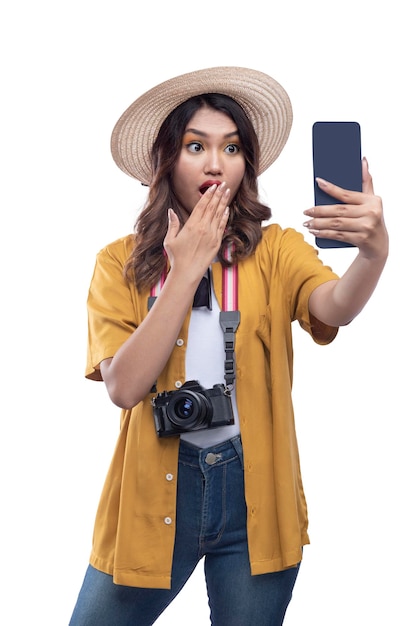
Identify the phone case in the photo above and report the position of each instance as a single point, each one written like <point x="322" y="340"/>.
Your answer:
<point x="336" y="150"/>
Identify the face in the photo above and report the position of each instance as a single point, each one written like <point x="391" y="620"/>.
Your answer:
<point x="211" y="153"/>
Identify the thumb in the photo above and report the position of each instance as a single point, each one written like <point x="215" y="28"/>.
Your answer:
<point x="173" y="226"/>
<point x="173" y="223"/>
<point x="366" y="176"/>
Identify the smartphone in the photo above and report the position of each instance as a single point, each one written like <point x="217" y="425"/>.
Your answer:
<point x="336" y="148"/>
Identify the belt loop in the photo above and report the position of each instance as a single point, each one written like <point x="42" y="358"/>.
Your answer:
<point x="237" y="443"/>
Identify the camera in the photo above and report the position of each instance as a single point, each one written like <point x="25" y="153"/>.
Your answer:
<point x="192" y="408"/>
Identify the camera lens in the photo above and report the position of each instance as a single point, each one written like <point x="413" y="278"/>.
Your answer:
<point x="184" y="408"/>
<point x="188" y="409"/>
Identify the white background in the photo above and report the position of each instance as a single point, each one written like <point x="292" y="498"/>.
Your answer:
<point x="69" y="69"/>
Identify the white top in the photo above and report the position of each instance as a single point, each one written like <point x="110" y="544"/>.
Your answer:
<point x="205" y="357"/>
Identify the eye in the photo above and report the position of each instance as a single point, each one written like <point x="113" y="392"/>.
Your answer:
<point x="194" y="146"/>
<point x="232" y="148"/>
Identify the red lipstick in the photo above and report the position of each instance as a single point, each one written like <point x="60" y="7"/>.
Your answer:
<point x="208" y="183"/>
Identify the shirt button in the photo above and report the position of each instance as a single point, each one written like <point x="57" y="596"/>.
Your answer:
<point x="169" y="476"/>
<point x="167" y="520"/>
<point x="179" y="342"/>
<point x="178" y="384"/>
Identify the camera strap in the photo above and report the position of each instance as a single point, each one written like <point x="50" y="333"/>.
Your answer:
<point x="229" y="317"/>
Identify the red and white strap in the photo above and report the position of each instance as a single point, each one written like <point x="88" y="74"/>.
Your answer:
<point x="229" y="284"/>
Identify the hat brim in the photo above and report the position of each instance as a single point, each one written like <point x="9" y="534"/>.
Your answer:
<point x="264" y="100"/>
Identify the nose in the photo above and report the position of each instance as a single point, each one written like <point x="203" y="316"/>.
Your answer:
<point x="213" y="163"/>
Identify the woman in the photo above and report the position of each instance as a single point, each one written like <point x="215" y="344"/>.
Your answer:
<point x="210" y="468"/>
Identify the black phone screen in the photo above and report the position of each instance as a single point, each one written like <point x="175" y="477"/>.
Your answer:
<point x="336" y="150"/>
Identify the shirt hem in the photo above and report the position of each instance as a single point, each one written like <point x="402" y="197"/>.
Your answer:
<point x="131" y="578"/>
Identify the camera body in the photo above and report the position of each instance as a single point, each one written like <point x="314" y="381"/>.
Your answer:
<point x="192" y="408"/>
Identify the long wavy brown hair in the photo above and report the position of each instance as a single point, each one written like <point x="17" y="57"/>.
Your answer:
<point x="148" y="261"/>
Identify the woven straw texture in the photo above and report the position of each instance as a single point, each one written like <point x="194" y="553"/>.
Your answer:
<point x="263" y="99"/>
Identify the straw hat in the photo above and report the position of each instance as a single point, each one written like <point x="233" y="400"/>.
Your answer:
<point x="263" y="99"/>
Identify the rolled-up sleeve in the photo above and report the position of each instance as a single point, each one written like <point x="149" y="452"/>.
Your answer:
<point x="112" y="315"/>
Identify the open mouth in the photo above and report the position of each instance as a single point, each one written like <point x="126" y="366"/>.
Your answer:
<point x="203" y="189"/>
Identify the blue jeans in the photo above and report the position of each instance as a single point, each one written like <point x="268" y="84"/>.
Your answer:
<point x="211" y="523"/>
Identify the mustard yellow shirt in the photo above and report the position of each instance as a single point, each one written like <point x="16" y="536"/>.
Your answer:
<point x="136" y="519"/>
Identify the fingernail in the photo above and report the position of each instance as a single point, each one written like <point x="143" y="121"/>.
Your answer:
<point x="322" y="182"/>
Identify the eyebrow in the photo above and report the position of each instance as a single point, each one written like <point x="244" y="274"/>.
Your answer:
<point x="203" y="134"/>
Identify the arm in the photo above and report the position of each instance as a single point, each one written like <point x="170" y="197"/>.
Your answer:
<point x="130" y="374"/>
<point x="359" y="220"/>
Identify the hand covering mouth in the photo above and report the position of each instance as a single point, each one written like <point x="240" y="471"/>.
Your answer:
<point x="208" y="183"/>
